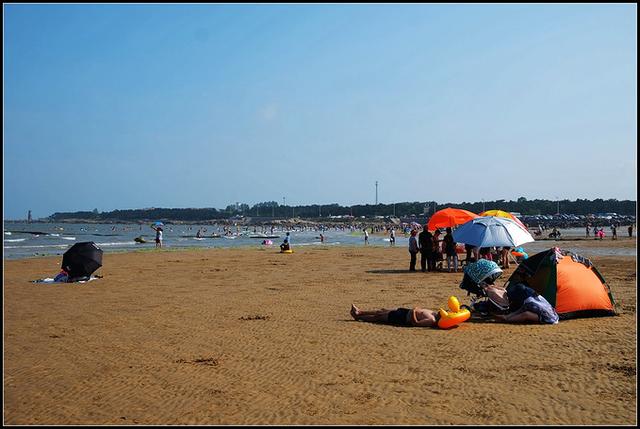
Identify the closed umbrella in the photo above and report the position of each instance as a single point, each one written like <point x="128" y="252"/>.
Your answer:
<point x="82" y="259"/>
<point x="449" y="217"/>
<point x="490" y="231"/>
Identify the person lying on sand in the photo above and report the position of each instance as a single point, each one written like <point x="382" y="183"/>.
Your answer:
<point x="398" y="316"/>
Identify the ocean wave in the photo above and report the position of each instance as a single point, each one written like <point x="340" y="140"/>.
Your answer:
<point x="14" y="240"/>
<point x="68" y="238"/>
<point x="48" y="246"/>
<point x="118" y="243"/>
<point x="313" y="243"/>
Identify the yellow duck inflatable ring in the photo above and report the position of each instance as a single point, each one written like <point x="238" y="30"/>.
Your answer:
<point x="454" y="317"/>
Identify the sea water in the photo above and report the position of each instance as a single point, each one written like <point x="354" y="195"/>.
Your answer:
<point x="23" y="240"/>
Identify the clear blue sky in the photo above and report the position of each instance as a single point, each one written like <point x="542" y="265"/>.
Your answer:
<point x="133" y="106"/>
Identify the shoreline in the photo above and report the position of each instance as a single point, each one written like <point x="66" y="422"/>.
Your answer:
<point x="581" y="242"/>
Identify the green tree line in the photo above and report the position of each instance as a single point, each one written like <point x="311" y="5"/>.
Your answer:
<point x="269" y="209"/>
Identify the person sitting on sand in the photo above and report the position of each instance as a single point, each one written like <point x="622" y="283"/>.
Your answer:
<point x="525" y="306"/>
<point x="62" y="276"/>
<point x="286" y="244"/>
<point x="517" y="303"/>
<point x="397" y="316"/>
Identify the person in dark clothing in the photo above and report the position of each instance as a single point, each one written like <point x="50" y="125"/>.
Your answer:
<point x="436" y="255"/>
<point x="397" y="316"/>
<point x="485" y="253"/>
<point x="470" y="256"/>
<point x="450" y="250"/>
<point x="425" y="242"/>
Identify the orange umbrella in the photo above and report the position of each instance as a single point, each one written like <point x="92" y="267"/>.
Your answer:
<point x="449" y="217"/>
<point x="502" y="213"/>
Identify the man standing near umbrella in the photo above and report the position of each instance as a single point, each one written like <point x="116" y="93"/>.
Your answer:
<point x="425" y="241"/>
<point x="413" y="250"/>
<point x="450" y="250"/>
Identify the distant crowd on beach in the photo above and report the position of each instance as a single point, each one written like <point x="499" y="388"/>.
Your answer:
<point x="598" y="232"/>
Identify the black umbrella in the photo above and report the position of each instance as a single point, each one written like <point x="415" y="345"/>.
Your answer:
<point x="82" y="259"/>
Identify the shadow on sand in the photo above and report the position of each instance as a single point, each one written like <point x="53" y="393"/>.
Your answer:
<point x="406" y="271"/>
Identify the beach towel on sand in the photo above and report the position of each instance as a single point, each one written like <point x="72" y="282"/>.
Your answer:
<point x="50" y="280"/>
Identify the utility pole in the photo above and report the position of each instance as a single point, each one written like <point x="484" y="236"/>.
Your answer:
<point x="376" y="192"/>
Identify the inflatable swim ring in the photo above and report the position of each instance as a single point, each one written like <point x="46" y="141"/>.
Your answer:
<point x="286" y="251"/>
<point x="454" y="317"/>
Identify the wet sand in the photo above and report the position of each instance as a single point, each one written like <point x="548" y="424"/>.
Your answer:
<point x="249" y="336"/>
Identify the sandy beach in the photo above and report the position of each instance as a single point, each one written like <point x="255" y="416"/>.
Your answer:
<point x="252" y="336"/>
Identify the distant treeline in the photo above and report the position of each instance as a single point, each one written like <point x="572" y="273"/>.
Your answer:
<point x="272" y="209"/>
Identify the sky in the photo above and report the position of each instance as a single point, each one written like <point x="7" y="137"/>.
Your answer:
<point x="123" y="106"/>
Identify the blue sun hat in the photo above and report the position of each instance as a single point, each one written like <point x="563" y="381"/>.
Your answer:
<point x="478" y="274"/>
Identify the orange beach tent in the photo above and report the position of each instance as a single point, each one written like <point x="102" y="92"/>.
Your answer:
<point x="449" y="217"/>
<point x="568" y="281"/>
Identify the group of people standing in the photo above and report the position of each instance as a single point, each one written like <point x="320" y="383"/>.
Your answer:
<point x="598" y="232"/>
<point x="432" y="250"/>
<point x="429" y="246"/>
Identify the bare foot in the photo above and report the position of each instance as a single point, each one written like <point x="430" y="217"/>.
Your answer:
<point x="355" y="311"/>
